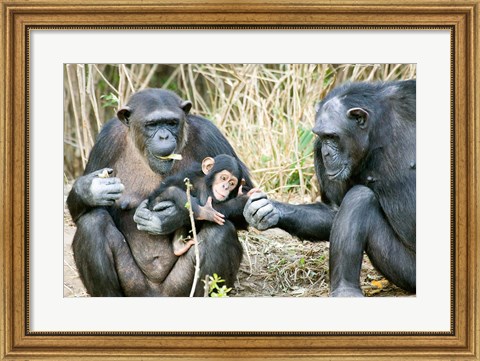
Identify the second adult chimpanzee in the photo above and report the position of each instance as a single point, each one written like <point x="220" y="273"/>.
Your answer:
<point x="121" y="248"/>
<point x="216" y="180"/>
<point x="365" y="160"/>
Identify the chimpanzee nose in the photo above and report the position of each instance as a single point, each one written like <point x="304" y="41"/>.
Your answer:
<point x="163" y="134"/>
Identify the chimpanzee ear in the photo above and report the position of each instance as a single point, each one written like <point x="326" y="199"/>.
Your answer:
<point x="207" y="164"/>
<point x="359" y="115"/>
<point x="186" y="106"/>
<point x="124" y="114"/>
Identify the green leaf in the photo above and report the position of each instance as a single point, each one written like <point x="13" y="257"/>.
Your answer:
<point x="110" y="100"/>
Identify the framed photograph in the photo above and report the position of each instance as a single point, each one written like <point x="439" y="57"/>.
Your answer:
<point x="70" y="66"/>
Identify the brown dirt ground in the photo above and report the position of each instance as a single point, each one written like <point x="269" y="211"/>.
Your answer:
<point x="274" y="264"/>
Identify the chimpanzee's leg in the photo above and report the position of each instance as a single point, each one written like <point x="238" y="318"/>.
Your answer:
<point x="98" y="247"/>
<point x="220" y="253"/>
<point x="359" y="226"/>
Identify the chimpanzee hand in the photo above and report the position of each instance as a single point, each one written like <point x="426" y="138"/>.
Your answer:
<point x="207" y="212"/>
<point x="260" y="212"/>
<point x="164" y="219"/>
<point x="98" y="189"/>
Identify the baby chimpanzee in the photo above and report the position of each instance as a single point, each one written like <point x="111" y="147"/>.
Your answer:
<point x="214" y="182"/>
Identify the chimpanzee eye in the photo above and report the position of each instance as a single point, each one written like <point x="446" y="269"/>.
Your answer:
<point x="232" y="184"/>
<point x="223" y="178"/>
<point x="171" y="122"/>
<point x="329" y="137"/>
<point x="151" y="125"/>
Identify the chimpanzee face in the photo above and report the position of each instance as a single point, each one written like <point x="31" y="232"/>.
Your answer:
<point x="343" y="136"/>
<point x="224" y="182"/>
<point x="223" y="175"/>
<point x="157" y="122"/>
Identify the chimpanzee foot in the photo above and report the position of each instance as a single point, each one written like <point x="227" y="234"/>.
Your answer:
<point x="181" y="246"/>
<point x="346" y="291"/>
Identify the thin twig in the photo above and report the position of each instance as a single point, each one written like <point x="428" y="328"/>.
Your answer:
<point x="194" y="233"/>
<point x="206" y="288"/>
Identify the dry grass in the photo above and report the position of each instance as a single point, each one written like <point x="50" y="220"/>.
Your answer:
<point x="277" y="265"/>
<point x="274" y="264"/>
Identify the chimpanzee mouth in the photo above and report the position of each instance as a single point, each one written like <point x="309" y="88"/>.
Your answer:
<point x="218" y="196"/>
<point x="159" y="165"/>
<point x="169" y="157"/>
<point x="336" y="174"/>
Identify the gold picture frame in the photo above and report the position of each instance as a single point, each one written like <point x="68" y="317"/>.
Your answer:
<point x="461" y="18"/>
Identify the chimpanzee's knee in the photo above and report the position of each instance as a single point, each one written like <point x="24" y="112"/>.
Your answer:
<point x="95" y="235"/>
<point x="359" y="198"/>
<point x="222" y="251"/>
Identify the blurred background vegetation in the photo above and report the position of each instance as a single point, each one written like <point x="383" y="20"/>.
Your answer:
<point x="265" y="110"/>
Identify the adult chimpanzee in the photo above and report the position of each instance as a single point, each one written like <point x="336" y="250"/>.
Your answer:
<point x="216" y="180"/>
<point x="122" y="248"/>
<point x="365" y="162"/>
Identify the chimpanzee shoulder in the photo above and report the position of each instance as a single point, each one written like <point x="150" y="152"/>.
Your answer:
<point x="206" y="133"/>
<point x="111" y="136"/>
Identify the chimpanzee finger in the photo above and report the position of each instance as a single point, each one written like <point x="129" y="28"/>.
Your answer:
<point x="219" y="220"/>
<point x="252" y="208"/>
<point x="254" y="190"/>
<point x="161" y="206"/>
<point x="208" y="203"/>
<point x="114" y="196"/>
<point x="219" y="214"/>
<point x="142" y="228"/>
<point x="142" y="223"/>
<point x="256" y="200"/>
<point x="143" y="204"/>
<point x="105" y="203"/>
<point x="115" y="188"/>
<point x="141" y="217"/>
<point x="257" y="195"/>
<point x="101" y="171"/>
<point x="263" y="212"/>
<point x="109" y="181"/>
<point x="142" y="212"/>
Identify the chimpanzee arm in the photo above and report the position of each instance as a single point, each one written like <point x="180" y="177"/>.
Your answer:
<point x="233" y="207"/>
<point x="306" y="221"/>
<point x="233" y="210"/>
<point x="179" y="197"/>
<point x="96" y="188"/>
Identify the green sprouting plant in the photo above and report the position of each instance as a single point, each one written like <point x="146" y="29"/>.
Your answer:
<point x="110" y="100"/>
<point x="214" y="289"/>
<point x="305" y="150"/>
